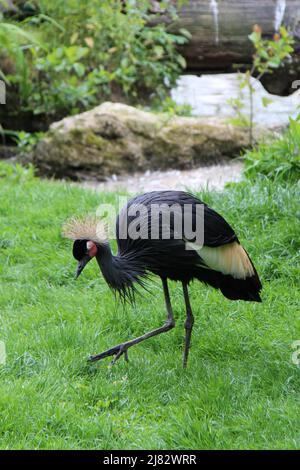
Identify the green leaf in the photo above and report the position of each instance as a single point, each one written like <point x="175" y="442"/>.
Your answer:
<point x="266" y="101"/>
<point x="254" y="37"/>
<point x="79" y="69"/>
<point x="185" y="33"/>
<point x="182" y="62"/>
<point x="274" y="63"/>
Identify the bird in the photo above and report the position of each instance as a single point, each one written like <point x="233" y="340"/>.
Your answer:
<point x="154" y="242"/>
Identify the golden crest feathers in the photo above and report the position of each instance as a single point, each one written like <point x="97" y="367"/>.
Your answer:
<point x="88" y="228"/>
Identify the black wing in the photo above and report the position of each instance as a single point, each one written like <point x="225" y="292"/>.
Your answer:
<point x="217" y="231"/>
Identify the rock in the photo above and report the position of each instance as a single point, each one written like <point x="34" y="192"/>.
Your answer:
<point x="8" y="152"/>
<point x="8" y="7"/>
<point x="114" y="138"/>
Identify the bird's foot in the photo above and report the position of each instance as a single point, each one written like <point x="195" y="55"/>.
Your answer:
<point x="123" y="350"/>
<point x="116" y="351"/>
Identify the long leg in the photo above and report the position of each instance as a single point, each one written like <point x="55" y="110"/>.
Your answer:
<point x="122" y="348"/>
<point x="189" y="322"/>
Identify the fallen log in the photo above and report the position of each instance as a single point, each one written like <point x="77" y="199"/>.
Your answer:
<point x="220" y="30"/>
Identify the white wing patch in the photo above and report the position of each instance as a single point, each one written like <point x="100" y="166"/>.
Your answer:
<point x="227" y="259"/>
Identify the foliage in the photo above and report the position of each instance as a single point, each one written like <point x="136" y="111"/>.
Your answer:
<point x="169" y="106"/>
<point x="24" y="140"/>
<point x="89" y="52"/>
<point x="60" y="85"/>
<point x="277" y="160"/>
<point x="241" y="119"/>
<point x="240" y="381"/>
<point x="15" y="42"/>
<point x="269" y="55"/>
<point x="16" y="173"/>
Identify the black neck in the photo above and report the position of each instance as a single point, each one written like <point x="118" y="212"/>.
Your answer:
<point x="119" y="272"/>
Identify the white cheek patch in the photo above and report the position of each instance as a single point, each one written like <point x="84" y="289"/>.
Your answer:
<point x="89" y="245"/>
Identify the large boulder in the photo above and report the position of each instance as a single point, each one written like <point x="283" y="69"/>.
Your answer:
<point x="114" y="138"/>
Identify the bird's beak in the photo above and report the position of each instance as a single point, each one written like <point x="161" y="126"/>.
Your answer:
<point x="81" y="265"/>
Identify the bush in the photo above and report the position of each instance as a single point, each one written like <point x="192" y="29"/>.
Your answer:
<point x="277" y="160"/>
<point x="170" y="107"/>
<point x="16" y="173"/>
<point x="91" y="51"/>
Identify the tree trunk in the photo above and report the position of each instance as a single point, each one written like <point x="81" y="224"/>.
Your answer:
<point x="220" y="30"/>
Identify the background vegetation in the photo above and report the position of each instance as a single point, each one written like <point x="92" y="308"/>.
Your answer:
<point x="67" y="56"/>
<point x="279" y="159"/>
<point x="270" y="54"/>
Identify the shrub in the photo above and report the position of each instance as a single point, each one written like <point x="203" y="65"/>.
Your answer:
<point x="269" y="54"/>
<point x="16" y="173"/>
<point x="169" y="106"/>
<point x="277" y="160"/>
<point x="92" y="51"/>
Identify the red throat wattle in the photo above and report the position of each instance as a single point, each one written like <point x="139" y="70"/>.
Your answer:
<point x="92" y="248"/>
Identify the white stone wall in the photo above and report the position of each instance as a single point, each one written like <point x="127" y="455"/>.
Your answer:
<point x="208" y="95"/>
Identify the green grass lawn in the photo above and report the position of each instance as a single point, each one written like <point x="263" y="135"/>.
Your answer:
<point x="240" y="390"/>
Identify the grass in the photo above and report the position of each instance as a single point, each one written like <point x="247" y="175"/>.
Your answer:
<point x="278" y="159"/>
<point x="240" y="390"/>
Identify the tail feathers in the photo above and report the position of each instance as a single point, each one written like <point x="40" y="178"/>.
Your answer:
<point x="232" y="271"/>
<point x="243" y="289"/>
<point x="232" y="288"/>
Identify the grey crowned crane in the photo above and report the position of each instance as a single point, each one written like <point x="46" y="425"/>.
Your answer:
<point x="219" y="260"/>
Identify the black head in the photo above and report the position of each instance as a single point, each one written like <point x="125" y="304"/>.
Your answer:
<point x="83" y="252"/>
